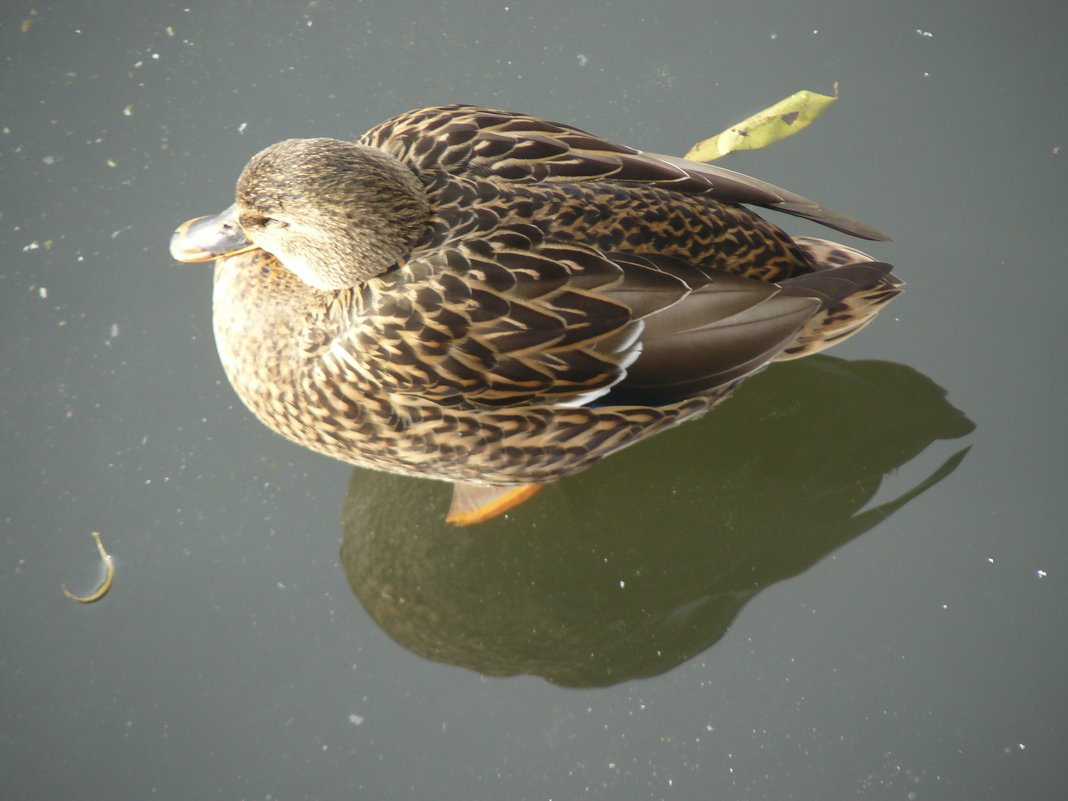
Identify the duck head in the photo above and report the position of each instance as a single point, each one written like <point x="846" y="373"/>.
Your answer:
<point x="332" y="212"/>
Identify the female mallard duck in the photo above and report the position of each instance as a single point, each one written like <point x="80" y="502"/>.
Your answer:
<point x="498" y="301"/>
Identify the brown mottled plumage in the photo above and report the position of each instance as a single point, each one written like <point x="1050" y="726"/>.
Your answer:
<point x="490" y="298"/>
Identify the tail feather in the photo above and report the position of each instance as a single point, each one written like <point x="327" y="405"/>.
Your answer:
<point x="852" y="287"/>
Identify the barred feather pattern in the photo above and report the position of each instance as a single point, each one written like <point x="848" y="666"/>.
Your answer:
<point x="569" y="297"/>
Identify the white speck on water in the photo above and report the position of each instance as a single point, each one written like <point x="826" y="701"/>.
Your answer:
<point x="355" y="719"/>
<point x="128" y="110"/>
<point x="241" y="128"/>
<point x="49" y="160"/>
<point x="1040" y="573"/>
<point x="583" y="59"/>
<point x="114" y="330"/>
<point x="42" y="292"/>
<point x="32" y="246"/>
<point x="924" y="34"/>
<point x="622" y="584"/>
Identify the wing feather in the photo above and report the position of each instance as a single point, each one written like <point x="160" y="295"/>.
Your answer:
<point x="526" y="149"/>
<point x="607" y="328"/>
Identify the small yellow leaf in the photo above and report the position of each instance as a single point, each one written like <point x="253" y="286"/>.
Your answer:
<point x="784" y="119"/>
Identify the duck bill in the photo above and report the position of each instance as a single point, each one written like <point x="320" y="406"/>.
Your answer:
<point x="207" y="238"/>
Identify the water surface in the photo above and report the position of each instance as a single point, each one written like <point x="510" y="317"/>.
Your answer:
<point x="847" y="582"/>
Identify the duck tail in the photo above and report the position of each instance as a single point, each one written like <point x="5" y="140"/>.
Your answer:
<point x="853" y="288"/>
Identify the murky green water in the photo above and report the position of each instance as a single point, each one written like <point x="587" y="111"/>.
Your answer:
<point x="847" y="582"/>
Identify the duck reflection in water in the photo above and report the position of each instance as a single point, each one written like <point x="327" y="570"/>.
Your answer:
<point x="629" y="570"/>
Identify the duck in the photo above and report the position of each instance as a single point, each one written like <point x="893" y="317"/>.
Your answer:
<point x="499" y="301"/>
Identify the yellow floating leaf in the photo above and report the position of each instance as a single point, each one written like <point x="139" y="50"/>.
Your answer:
<point x="784" y="119"/>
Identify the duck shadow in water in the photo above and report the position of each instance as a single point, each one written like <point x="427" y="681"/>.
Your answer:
<point x="644" y="561"/>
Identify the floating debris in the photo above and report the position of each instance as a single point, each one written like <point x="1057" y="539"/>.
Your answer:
<point x="784" y="119"/>
<point x="109" y="577"/>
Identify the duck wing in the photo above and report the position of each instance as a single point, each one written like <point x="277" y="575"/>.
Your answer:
<point x="520" y="148"/>
<point x="489" y="324"/>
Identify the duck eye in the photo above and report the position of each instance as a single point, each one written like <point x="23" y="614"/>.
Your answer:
<point x="259" y="221"/>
